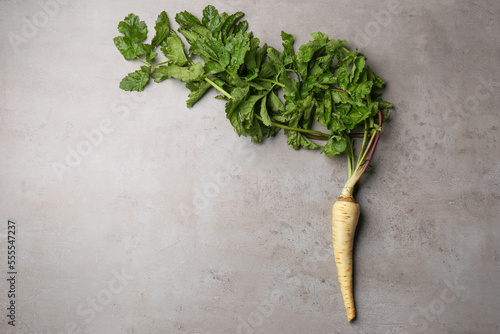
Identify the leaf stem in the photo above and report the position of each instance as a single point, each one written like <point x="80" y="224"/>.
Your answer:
<point x="144" y="62"/>
<point x="219" y="88"/>
<point x="162" y="63"/>
<point x="286" y="127"/>
<point x="340" y="90"/>
<point x="365" y="136"/>
<point x="273" y="81"/>
<point x="364" y="158"/>
<point x="361" y="160"/>
<point x="350" y="159"/>
<point x="316" y="137"/>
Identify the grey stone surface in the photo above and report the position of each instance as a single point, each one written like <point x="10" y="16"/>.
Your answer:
<point x="168" y="222"/>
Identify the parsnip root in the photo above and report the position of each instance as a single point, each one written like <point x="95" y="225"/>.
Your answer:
<point x="345" y="219"/>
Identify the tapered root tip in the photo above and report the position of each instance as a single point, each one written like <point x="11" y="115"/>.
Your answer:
<point x="350" y="317"/>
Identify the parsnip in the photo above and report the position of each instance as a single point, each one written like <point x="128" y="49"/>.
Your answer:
<point x="266" y="91"/>
<point x="345" y="219"/>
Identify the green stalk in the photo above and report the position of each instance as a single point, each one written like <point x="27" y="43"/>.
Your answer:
<point x="226" y="94"/>
<point x="273" y="81"/>
<point x="365" y="136"/>
<point x="286" y="127"/>
<point x="143" y="61"/>
<point x="217" y="87"/>
<point x="350" y="158"/>
<point x="340" y="90"/>
<point x="364" y="158"/>
<point x="354" y="172"/>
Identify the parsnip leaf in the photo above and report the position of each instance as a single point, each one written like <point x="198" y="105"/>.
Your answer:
<point x="211" y="18"/>
<point x="133" y="28"/>
<point x="185" y="74"/>
<point x="162" y="29"/>
<point x="173" y="48"/>
<point x="265" y="89"/>
<point x="136" y="81"/>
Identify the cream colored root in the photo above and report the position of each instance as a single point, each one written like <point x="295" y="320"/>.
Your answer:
<point x="345" y="219"/>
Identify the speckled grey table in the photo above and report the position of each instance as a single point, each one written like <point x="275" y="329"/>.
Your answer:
<point x="136" y="215"/>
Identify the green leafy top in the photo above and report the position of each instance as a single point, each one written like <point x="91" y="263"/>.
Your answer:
<point x="324" y="84"/>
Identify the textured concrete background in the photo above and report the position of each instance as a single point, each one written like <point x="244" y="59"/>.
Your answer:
<point x="136" y="215"/>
